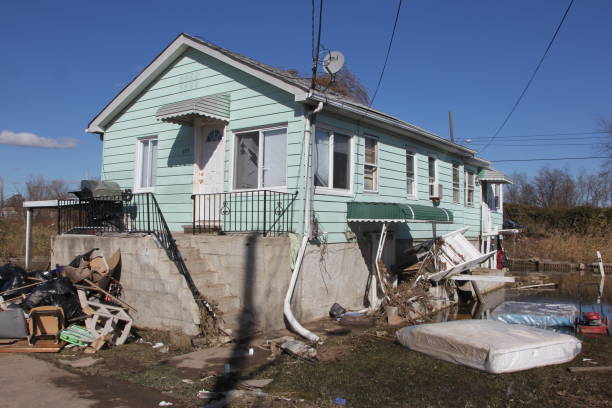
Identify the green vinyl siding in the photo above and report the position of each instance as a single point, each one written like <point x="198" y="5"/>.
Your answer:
<point x="331" y="210"/>
<point x="257" y="104"/>
<point x="253" y="103"/>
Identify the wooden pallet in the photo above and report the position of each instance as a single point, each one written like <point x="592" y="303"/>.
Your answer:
<point x="41" y="346"/>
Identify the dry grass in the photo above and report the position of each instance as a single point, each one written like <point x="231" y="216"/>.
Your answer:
<point x="12" y="236"/>
<point x="561" y="246"/>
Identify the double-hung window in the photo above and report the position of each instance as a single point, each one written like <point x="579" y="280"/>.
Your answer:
<point x="432" y="166"/>
<point x="332" y="160"/>
<point x="456" y="185"/>
<point x="260" y="159"/>
<point x="469" y="188"/>
<point x="370" y="167"/>
<point x="146" y="164"/>
<point x="497" y="197"/>
<point x="411" y="189"/>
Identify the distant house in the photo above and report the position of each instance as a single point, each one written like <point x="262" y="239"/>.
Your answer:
<point x="221" y="140"/>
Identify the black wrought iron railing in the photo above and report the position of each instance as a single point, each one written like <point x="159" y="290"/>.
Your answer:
<point x="137" y="213"/>
<point x="267" y="212"/>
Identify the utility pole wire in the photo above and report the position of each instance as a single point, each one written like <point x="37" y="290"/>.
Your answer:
<point x="551" y="158"/>
<point x="315" y="57"/>
<point x="552" y="40"/>
<point x="382" y="72"/>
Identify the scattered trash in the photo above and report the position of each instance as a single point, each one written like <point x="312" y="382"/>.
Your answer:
<point x="187" y="381"/>
<point x="489" y="345"/>
<point x="336" y="310"/>
<point x="298" y="348"/>
<point x="157" y="345"/>
<point x="205" y="394"/>
<point x="340" y="401"/>
<point x="37" y="306"/>
<point x="165" y="404"/>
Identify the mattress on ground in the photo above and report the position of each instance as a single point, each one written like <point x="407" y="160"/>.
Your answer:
<point x="536" y="314"/>
<point x="490" y="346"/>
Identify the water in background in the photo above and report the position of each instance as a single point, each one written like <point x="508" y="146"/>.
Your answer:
<point x="572" y="288"/>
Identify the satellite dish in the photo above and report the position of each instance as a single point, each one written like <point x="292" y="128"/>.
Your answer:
<point x="333" y="62"/>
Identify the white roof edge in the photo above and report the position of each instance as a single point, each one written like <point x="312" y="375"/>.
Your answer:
<point x="161" y="62"/>
<point x="41" y="204"/>
<point x="468" y="153"/>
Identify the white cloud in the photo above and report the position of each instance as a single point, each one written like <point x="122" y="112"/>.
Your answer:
<point x="26" y="139"/>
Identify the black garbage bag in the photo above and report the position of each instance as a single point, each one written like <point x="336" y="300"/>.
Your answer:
<point x="76" y="262"/>
<point x="56" y="292"/>
<point x="13" y="277"/>
<point x="45" y="275"/>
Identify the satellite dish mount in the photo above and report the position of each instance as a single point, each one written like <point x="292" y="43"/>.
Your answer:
<point x="333" y="62"/>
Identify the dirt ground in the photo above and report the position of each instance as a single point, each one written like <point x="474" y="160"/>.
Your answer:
<point x="365" y="366"/>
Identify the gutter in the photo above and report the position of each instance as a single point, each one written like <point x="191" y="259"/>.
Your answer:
<point x="288" y="313"/>
<point x="411" y="130"/>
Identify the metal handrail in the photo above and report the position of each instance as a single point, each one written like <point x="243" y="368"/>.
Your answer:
<point x="268" y="212"/>
<point x="134" y="213"/>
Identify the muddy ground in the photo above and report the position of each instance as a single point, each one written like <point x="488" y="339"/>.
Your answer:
<point x="367" y="368"/>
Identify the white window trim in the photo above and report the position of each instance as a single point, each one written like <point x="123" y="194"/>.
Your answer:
<point x="459" y="167"/>
<point x="260" y="158"/>
<point x="415" y="168"/>
<point x="375" y="165"/>
<point x="436" y="173"/>
<point x="138" y="163"/>
<point x="499" y="208"/>
<point x="466" y="173"/>
<point x="330" y="190"/>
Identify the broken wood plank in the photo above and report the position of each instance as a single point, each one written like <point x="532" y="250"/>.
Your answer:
<point x="98" y="288"/>
<point x="484" y="278"/>
<point x="536" y="286"/>
<point x="589" y="369"/>
<point x="41" y="346"/>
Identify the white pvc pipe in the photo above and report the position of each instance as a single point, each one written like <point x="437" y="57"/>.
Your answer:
<point x="291" y="320"/>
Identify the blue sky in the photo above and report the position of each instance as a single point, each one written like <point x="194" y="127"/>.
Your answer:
<point x="63" y="61"/>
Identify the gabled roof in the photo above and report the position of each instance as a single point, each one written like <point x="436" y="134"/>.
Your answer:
<point x="280" y="78"/>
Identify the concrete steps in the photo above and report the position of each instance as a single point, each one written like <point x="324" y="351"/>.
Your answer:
<point x="208" y="280"/>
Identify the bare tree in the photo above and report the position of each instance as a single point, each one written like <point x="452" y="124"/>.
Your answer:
<point x="1" y="193"/>
<point x="38" y="188"/>
<point x="606" y="126"/>
<point x="554" y="188"/>
<point x="344" y="82"/>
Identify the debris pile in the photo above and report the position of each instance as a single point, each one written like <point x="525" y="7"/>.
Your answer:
<point x="77" y="304"/>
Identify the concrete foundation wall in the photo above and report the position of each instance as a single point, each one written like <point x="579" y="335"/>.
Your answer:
<point x="257" y="270"/>
<point x="151" y="283"/>
<point x="333" y="273"/>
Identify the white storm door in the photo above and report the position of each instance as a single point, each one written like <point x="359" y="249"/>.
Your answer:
<point x="209" y="171"/>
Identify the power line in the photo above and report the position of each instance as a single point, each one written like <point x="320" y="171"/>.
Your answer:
<point x="552" y="40"/>
<point x="544" y="135"/>
<point x="553" y="158"/>
<point x="542" y="144"/>
<point x="382" y="72"/>
<point x="315" y="57"/>
<point x="542" y="139"/>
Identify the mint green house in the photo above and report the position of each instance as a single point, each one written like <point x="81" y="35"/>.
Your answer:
<point x="230" y="145"/>
<point x="203" y="120"/>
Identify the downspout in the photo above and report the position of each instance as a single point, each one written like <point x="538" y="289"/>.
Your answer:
<point x="293" y="323"/>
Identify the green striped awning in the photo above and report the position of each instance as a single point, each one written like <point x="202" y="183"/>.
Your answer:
<point x="393" y="212"/>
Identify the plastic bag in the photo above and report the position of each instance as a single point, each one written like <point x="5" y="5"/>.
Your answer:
<point x="57" y="292"/>
<point x="12" y="277"/>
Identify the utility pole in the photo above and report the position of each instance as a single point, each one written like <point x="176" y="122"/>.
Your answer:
<point x="450" y="125"/>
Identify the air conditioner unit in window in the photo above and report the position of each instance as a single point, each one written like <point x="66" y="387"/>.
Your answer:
<point x="435" y="191"/>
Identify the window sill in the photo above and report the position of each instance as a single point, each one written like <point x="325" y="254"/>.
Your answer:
<point x="334" y="192"/>
<point x="371" y="192"/>
<point x="246" y="190"/>
<point x="144" y="190"/>
<point x="412" y="197"/>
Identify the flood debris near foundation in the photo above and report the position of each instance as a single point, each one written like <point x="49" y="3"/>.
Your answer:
<point x="75" y="305"/>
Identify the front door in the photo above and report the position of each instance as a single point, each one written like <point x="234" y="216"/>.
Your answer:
<point x="208" y="172"/>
